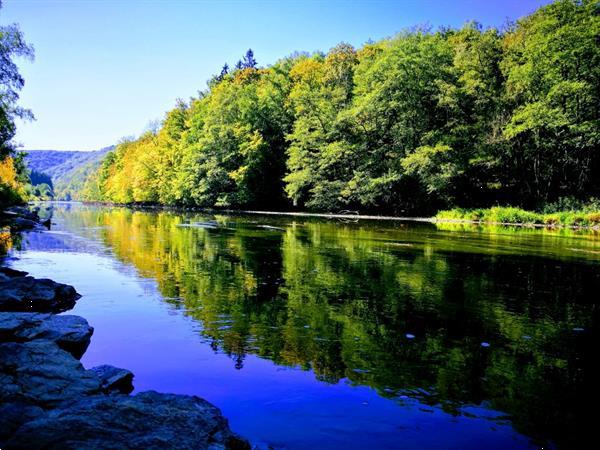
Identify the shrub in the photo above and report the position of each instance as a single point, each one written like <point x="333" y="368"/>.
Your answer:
<point x="594" y="218"/>
<point x="510" y="215"/>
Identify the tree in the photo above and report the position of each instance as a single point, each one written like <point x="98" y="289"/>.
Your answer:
<point x="12" y="44"/>
<point x="316" y="157"/>
<point x="223" y="73"/>
<point x="550" y="62"/>
<point x="249" y="62"/>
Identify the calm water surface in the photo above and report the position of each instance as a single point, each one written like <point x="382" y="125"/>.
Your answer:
<point x="325" y="334"/>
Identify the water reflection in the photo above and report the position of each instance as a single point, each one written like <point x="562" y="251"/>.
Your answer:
<point x="447" y="318"/>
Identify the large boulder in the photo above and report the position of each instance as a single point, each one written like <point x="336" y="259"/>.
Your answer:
<point x="15" y="414"/>
<point x="39" y="373"/>
<point x="70" y="333"/>
<point x="30" y="294"/>
<point x="147" y="420"/>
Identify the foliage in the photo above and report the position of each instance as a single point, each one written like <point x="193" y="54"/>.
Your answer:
<point x="551" y="62"/>
<point x="12" y="187"/>
<point x="37" y="178"/>
<point x="469" y="117"/>
<point x="65" y="172"/>
<point x="41" y="192"/>
<point x="12" y="171"/>
<point x="508" y="215"/>
<point x="572" y="204"/>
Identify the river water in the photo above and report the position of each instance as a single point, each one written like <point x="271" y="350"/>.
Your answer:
<point x="329" y="334"/>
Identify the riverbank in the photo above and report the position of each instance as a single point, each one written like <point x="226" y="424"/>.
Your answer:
<point x="520" y="217"/>
<point x="49" y="400"/>
<point x="502" y="216"/>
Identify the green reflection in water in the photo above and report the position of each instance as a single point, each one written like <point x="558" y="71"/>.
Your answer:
<point x="450" y="314"/>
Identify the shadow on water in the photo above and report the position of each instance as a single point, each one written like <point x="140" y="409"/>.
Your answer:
<point x="469" y="321"/>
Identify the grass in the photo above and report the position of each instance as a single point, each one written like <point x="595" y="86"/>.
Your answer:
<point x="510" y="215"/>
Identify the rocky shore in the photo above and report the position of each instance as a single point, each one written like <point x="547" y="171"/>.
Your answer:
<point x="49" y="400"/>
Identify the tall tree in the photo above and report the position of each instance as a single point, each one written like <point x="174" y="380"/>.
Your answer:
<point x="12" y="174"/>
<point x="249" y="62"/>
<point x="551" y="60"/>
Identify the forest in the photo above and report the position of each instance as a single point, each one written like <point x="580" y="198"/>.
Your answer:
<point x="423" y="121"/>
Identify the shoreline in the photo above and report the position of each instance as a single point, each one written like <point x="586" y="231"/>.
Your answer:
<point x="49" y="399"/>
<point x="340" y="216"/>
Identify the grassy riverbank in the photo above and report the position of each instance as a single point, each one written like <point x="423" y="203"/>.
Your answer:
<point x="510" y="215"/>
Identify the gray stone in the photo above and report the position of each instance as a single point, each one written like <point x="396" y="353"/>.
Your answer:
<point x="21" y="211"/>
<point x="12" y="273"/>
<point x="147" y="420"/>
<point x="71" y="333"/>
<point x="13" y="415"/>
<point x="30" y="294"/>
<point x="22" y="224"/>
<point x="39" y="373"/>
<point x="114" y="379"/>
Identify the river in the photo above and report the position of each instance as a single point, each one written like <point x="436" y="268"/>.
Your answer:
<point x="331" y="334"/>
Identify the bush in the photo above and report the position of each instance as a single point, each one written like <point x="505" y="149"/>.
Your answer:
<point x="510" y="215"/>
<point x="594" y="218"/>
<point x="571" y="204"/>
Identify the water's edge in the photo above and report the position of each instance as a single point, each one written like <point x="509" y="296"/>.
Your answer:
<point x="71" y="403"/>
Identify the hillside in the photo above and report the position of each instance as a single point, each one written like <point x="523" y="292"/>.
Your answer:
<point x="67" y="169"/>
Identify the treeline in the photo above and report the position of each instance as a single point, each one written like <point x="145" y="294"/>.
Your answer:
<point x="468" y="117"/>
<point x="60" y="175"/>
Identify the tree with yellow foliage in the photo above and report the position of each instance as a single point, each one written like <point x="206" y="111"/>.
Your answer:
<point x="12" y="171"/>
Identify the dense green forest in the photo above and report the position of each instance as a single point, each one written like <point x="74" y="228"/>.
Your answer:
<point x="13" y="174"/>
<point x="425" y="120"/>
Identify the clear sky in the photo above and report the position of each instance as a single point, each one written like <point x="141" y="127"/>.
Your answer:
<point x="105" y="69"/>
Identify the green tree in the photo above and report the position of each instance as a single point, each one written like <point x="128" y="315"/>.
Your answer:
<point x="322" y="87"/>
<point x="551" y="61"/>
<point x="12" y="171"/>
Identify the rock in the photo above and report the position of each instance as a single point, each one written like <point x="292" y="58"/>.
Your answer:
<point x="13" y="415"/>
<point x="41" y="374"/>
<point x="12" y="273"/>
<point x="20" y="218"/>
<point x="36" y="295"/>
<point x="22" y="212"/>
<point x="114" y="379"/>
<point x="70" y="333"/>
<point x="147" y="420"/>
<point x="22" y="224"/>
<point x="6" y="274"/>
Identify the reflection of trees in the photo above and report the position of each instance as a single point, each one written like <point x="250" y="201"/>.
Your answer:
<point x="340" y="300"/>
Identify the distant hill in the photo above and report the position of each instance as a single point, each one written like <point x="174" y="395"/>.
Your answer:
<point x="68" y="170"/>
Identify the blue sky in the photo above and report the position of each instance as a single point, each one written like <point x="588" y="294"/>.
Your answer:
<point x="105" y="69"/>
